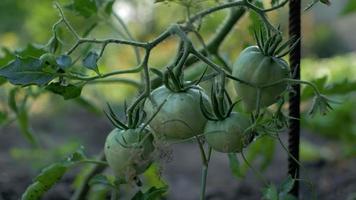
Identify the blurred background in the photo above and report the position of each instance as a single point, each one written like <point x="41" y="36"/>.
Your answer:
<point x="328" y="143"/>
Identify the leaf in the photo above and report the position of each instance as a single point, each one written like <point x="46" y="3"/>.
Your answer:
<point x="31" y="50"/>
<point x="90" y="61"/>
<point x="68" y="92"/>
<point x="78" y="155"/>
<point x="22" y="118"/>
<point x="321" y="105"/>
<point x="44" y="181"/>
<point x="275" y="2"/>
<point x="235" y="165"/>
<point x="288" y="197"/>
<point x="151" y="194"/>
<point x="270" y="193"/>
<point x="85" y="8"/>
<point x="100" y="179"/>
<point x="108" y="6"/>
<point x="50" y="175"/>
<point x="7" y="57"/>
<point x="286" y="185"/>
<point x="3" y="117"/>
<point x="12" y="99"/>
<point x="350" y="7"/>
<point x="26" y="71"/>
<point x="319" y="83"/>
<point x="64" y="62"/>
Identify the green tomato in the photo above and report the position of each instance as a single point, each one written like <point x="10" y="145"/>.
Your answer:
<point x="257" y="69"/>
<point x="180" y="116"/>
<point x="126" y="152"/>
<point x="229" y="135"/>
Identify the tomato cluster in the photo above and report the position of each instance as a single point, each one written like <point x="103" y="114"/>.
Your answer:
<point x="180" y="110"/>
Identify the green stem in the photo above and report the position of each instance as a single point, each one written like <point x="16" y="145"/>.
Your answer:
<point x="98" y="162"/>
<point x="116" y="80"/>
<point x="205" y="161"/>
<point x="83" y="188"/>
<point x="295" y="81"/>
<point x="259" y="175"/>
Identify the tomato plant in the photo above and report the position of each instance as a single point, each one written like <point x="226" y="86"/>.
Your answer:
<point x="169" y="107"/>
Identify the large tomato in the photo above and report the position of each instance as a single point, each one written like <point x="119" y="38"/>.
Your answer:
<point x="180" y="116"/>
<point x="123" y="153"/>
<point x="228" y="135"/>
<point x="254" y="67"/>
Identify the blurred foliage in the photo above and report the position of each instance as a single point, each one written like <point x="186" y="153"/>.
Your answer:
<point x="39" y="158"/>
<point x="335" y="77"/>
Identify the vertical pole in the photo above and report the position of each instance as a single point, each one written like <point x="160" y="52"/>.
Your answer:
<point x="294" y="100"/>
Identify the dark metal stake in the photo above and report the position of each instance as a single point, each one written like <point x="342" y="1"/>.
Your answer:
<point x="294" y="101"/>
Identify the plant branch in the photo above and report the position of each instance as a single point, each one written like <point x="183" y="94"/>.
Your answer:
<point x="83" y="188"/>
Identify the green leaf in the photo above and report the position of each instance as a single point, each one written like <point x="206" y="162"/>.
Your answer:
<point x="44" y="181"/>
<point x="2" y="80"/>
<point x="287" y="197"/>
<point x="3" y="117"/>
<point x="90" y="61"/>
<point x="64" y="62"/>
<point x="22" y="118"/>
<point x="26" y="71"/>
<point x="52" y="174"/>
<point x="7" y="57"/>
<point x="100" y="179"/>
<point x="68" y="92"/>
<point x="275" y="2"/>
<point x="286" y="185"/>
<point x="49" y="176"/>
<point x="319" y="83"/>
<point x="85" y="8"/>
<point x="12" y="99"/>
<point x="350" y="7"/>
<point x="321" y="105"/>
<point x="270" y="193"/>
<point x="108" y="6"/>
<point x="235" y="165"/>
<point x="151" y="194"/>
<point x="31" y="50"/>
<point x="78" y="155"/>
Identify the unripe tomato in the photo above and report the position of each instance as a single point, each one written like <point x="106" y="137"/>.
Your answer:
<point x="123" y="154"/>
<point x="228" y="135"/>
<point x="257" y="69"/>
<point x="180" y="116"/>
